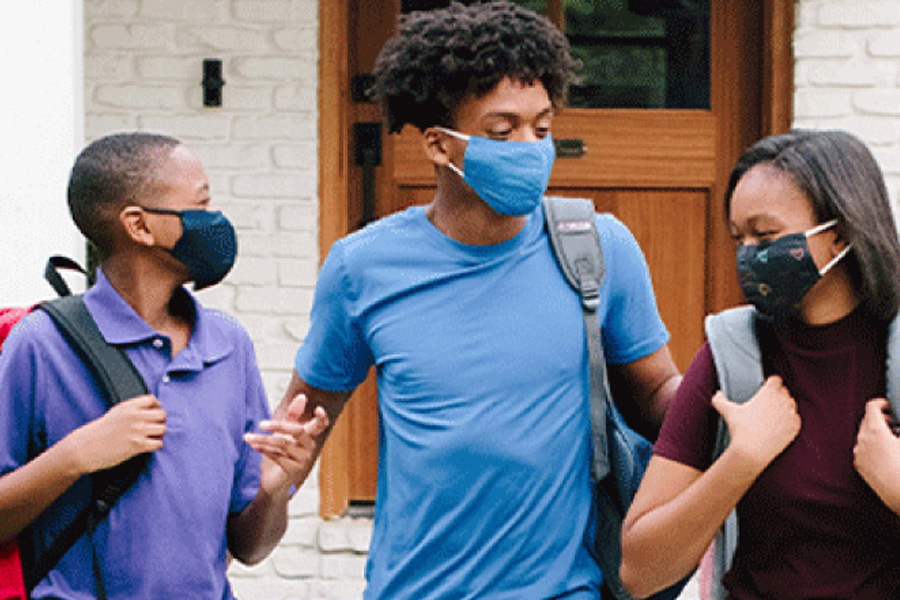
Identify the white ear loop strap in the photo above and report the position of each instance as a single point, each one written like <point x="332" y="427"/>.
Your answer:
<point x="459" y="136"/>
<point x="836" y="259"/>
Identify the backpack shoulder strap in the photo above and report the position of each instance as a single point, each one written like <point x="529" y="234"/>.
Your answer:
<point x="735" y="348"/>
<point x="893" y="367"/>
<point x="121" y="381"/>
<point x="575" y="240"/>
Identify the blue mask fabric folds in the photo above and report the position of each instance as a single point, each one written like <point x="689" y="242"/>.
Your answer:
<point x="510" y="176"/>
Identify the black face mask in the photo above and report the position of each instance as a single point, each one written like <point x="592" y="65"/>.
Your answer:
<point x="775" y="276"/>
<point x="207" y="246"/>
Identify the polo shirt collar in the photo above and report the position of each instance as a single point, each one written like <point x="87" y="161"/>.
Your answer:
<point x="121" y="325"/>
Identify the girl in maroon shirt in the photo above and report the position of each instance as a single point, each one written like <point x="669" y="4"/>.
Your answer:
<point x="813" y="467"/>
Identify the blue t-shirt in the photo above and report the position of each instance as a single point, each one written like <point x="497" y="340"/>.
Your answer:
<point x="166" y="536"/>
<point x="483" y="480"/>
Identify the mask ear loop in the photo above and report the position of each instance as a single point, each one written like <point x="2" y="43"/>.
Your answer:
<point x="459" y="136"/>
<point x="835" y="260"/>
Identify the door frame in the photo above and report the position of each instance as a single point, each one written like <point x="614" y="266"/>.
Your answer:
<point x="334" y="168"/>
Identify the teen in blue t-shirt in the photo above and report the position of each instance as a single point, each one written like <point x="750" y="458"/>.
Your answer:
<point x="484" y="488"/>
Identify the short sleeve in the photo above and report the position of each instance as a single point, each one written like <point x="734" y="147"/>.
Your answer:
<point x="689" y="430"/>
<point x="247" y="473"/>
<point x="632" y="327"/>
<point x="334" y="356"/>
<point x="19" y="367"/>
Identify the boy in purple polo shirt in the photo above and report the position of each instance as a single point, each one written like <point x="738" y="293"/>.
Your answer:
<point x="143" y="200"/>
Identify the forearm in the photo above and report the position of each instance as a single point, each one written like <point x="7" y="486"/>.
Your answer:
<point x="255" y="531"/>
<point x="662" y="545"/>
<point x="29" y="490"/>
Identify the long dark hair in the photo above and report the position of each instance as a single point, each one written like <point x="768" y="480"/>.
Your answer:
<point x="842" y="180"/>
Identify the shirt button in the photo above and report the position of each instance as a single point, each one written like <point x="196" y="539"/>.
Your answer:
<point x="165" y="379"/>
<point x="158" y="343"/>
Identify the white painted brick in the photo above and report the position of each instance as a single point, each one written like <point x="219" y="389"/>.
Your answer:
<point x="874" y="131"/>
<point x="302" y="244"/>
<point x="302" y="532"/>
<point x="220" y="297"/>
<point x="139" y="96"/>
<point x="238" y="570"/>
<point x="234" y="157"/>
<point x="338" y="590"/>
<point x="271" y="589"/>
<point x="821" y="44"/>
<point x="305" y="502"/>
<point x="297" y="39"/>
<point x="296" y="216"/>
<point x="888" y="159"/>
<point x="295" y="562"/>
<point x="297" y="327"/>
<point x="253" y="272"/>
<point x="222" y="39"/>
<point x="343" y="566"/>
<point x="276" y="355"/>
<point x="206" y="127"/>
<point x="183" y="10"/>
<point x="102" y="67"/>
<point x="885" y="44"/>
<point x="297" y="272"/>
<point x="843" y="74"/>
<point x="245" y="216"/>
<point x="138" y="36"/>
<point x="297" y="97"/>
<point x="816" y="103"/>
<point x="99" y="125"/>
<point x="108" y="9"/>
<point x="271" y="300"/>
<point x="275" y="128"/>
<point x="298" y="156"/>
<point x="274" y="185"/>
<point x="275" y="12"/>
<point x="276" y="68"/>
<point x="179" y="68"/>
<point x="256" y="244"/>
<point x="878" y="102"/>
<point x="235" y="97"/>
<point x="859" y="14"/>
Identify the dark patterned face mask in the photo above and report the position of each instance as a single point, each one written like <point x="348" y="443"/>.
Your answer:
<point x="777" y="275"/>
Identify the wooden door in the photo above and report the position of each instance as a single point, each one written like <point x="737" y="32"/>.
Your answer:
<point x="660" y="170"/>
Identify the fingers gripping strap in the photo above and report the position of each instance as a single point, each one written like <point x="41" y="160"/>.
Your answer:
<point x="576" y="244"/>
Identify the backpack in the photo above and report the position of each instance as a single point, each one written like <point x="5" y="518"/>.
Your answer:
<point x="23" y="566"/>
<point x="620" y="455"/>
<point x="734" y="343"/>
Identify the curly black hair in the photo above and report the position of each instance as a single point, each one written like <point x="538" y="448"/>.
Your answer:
<point x="439" y="58"/>
<point x="109" y="174"/>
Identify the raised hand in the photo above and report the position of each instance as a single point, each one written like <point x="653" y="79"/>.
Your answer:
<point x="876" y="455"/>
<point x="291" y="444"/>
<point x="130" y="428"/>
<point x="765" y="425"/>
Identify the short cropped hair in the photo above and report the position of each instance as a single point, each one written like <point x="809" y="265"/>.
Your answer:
<point x="109" y="174"/>
<point x="441" y="57"/>
<point x="842" y="180"/>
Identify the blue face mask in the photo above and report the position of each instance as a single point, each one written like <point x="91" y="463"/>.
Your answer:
<point x="207" y="246"/>
<point x="511" y="177"/>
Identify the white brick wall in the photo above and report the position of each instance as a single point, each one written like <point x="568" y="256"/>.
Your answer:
<point x="847" y="74"/>
<point x="143" y="69"/>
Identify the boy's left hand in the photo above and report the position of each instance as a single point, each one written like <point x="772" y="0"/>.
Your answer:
<point x="291" y="445"/>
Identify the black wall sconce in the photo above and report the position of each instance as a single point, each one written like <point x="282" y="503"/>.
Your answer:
<point x="212" y="82"/>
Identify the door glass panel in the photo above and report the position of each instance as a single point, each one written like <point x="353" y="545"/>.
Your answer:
<point x="631" y="53"/>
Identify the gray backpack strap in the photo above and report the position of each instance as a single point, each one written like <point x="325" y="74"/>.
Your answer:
<point x="732" y="338"/>
<point x="576" y="243"/>
<point x="893" y="367"/>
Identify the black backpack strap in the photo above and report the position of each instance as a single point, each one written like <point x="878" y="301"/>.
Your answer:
<point x="576" y="244"/>
<point x="120" y="380"/>
<point x="51" y="273"/>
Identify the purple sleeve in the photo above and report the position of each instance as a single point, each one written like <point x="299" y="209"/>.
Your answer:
<point x="688" y="433"/>
<point x="247" y="473"/>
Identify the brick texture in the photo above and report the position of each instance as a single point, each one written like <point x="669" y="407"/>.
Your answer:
<point x="143" y="65"/>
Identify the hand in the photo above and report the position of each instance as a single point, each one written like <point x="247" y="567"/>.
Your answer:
<point x="127" y="429"/>
<point x="291" y="446"/>
<point x="876" y="455"/>
<point x="765" y="425"/>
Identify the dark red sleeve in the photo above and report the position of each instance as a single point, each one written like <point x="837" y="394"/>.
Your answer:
<point x="688" y="432"/>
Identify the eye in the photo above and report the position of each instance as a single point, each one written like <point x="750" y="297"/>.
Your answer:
<point x="499" y="134"/>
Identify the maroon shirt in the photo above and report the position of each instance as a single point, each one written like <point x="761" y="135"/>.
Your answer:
<point x="810" y="527"/>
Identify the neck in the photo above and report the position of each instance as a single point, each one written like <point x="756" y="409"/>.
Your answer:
<point x="462" y="216"/>
<point x="831" y="299"/>
<point x="145" y="286"/>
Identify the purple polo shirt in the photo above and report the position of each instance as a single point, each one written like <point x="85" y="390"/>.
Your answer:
<point x="166" y="537"/>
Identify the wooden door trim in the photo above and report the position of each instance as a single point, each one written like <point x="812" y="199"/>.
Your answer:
<point x="334" y="129"/>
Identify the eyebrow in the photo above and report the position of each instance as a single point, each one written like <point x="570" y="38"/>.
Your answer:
<point x="512" y="116"/>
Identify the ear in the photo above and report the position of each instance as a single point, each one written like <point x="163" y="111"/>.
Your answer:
<point x="437" y="146"/>
<point x="840" y="241"/>
<point x="134" y="223"/>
